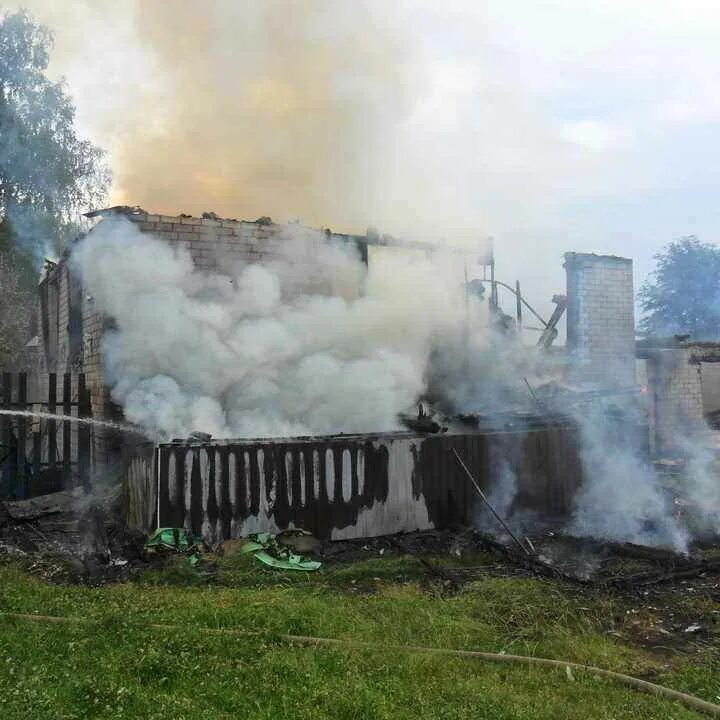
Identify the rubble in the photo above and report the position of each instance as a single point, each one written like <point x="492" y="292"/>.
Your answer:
<point x="70" y="536"/>
<point x="585" y="562"/>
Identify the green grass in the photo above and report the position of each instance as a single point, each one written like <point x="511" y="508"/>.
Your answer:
<point x="113" y="666"/>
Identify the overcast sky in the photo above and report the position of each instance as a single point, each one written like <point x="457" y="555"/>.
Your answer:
<point x="586" y="125"/>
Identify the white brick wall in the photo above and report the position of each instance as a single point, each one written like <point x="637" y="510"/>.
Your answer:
<point x="675" y="383"/>
<point x="600" y="319"/>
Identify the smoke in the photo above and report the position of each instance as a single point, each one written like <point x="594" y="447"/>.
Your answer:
<point x="271" y="108"/>
<point x="621" y="498"/>
<point x="699" y="489"/>
<point x="489" y="375"/>
<point x="402" y="116"/>
<point x="261" y="350"/>
<point x="528" y="121"/>
<point x="312" y="341"/>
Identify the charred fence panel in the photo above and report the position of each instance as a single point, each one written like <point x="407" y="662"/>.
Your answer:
<point x="39" y="455"/>
<point x="347" y="486"/>
<point x="140" y="489"/>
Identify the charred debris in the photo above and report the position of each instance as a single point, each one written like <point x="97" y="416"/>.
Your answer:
<point x="547" y="404"/>
<point x="71" y="537"/>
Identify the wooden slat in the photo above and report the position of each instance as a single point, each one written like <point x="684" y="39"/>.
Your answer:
<point x="21" y="436"/>
<point x="67" y="430"/>
<point x="52" y="425"/>
<point x="84" y="410"/>
<point x="6" y="433"/>
<point x="36" y="464"/>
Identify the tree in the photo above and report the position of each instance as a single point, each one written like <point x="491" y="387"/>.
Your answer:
<point x="15" y="311"/>
<point x="682" y="296"/>
<point x="47" y="173"/>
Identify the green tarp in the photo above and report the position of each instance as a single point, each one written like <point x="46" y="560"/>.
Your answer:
<point x="269" y="550"/>
<point x="178" y="540"/>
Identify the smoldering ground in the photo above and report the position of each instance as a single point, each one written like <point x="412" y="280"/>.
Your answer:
<point x="622" y="497"/>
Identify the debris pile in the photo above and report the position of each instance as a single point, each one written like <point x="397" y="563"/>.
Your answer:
<point x="71" y="536"/>
<point x="581" y="561"/>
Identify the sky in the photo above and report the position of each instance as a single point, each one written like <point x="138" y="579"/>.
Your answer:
<point x="551" y="126"/>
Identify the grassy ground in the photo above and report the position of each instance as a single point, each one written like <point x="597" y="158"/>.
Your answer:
<point x="115" y="667"/>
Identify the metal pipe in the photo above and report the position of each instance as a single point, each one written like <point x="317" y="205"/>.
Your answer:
<point x="534" y="396"/>
<point x="493" y="287"/>
<point x="487" y="502"/>
<point x="512" y="290"/>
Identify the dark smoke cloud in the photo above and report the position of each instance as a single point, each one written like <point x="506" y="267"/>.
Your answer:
<point x="287" y="109"/>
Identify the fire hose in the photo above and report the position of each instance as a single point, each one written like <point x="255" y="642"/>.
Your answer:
<point x="691" y="701"/>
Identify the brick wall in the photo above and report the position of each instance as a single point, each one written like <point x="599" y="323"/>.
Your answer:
<point x="600" y="320"/>
<point x="73" y="329"/>
<point x="215" y="245"/>
<point x="71" y="333"/>
<point x="218" y="244"/>
<point x="675" y="385"/>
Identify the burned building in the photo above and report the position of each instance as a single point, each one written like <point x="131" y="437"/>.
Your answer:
<point x="347" y="485"/>
<point x="683" y="389"/>
<point x="393" y="480"/>
<point x="71" y="327"/>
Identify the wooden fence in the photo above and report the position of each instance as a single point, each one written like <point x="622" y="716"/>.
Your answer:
<point x="43" y="454"/>
<point x="351" y="486"/>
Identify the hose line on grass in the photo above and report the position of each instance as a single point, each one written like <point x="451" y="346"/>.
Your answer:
<point x="690" y="701"/>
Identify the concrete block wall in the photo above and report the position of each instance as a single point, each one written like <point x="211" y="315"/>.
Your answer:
<point x="710" y="373"/>
<point x="600" y="320"/>
<point x="106" y="445"/>
<point x="210" y="241"/>
<point x="92" y="363"/>
<point x="675" y="385"/>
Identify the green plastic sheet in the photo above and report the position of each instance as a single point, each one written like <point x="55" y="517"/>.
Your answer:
<point x="269" y="550"/>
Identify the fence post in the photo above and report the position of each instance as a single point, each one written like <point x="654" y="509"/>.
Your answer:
<point x="52" y="425"/>
<point x="36" y="486"/>
<point x="6" y="451"/>
<point x="21" y="462"/>
<point x="67" y="430"/>
<point x="84" y="410"/>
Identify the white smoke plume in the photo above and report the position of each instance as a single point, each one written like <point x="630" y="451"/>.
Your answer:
<point x="260" y="350"/>
<point x="311" y="341"/>
<point x="622" y="498"/>
<point x="698" y="489"/>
